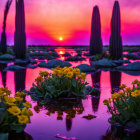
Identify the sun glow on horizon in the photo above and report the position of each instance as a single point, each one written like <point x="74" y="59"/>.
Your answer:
<point x="60" y="38"/>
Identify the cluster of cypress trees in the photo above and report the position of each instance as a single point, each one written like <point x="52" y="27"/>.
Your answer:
<point x="115" y="47"/>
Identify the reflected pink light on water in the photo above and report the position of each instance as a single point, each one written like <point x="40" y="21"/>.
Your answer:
<point x="48" y="126"/>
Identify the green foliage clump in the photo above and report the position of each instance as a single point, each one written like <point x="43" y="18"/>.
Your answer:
<point x="62" y="83"/>
<point x="125" y="106"/>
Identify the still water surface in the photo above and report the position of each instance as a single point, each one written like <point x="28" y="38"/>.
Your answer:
<point x="44" y="127"/>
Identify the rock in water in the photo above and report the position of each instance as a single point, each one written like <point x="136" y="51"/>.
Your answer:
<point x="104" y="63"/>
<point x="6" y="57"/>
<point x="54" y="64"/>
<point x="85" y="68"/>
<point x="14" y="68"/>
<point x="130" y="67"/>
<point x="75" y="58"/>
<point x="132" y="56"/>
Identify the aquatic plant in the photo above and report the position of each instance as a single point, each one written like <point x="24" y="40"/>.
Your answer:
<point x="115" y="48"/>
<point x="3" y="46"/>
<point x="61" y="83"/>
<point x="95" y="38"/>
<point x="14" y="111"/>
<point x="20" y="35"/>
<point x="124" y="106"/>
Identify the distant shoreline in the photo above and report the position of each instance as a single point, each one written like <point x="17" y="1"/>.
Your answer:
<point x="71" y="46"/>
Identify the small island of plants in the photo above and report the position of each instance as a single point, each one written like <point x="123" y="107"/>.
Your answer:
<point x="125" y="106"/>
<point x="14" y="111"/>
<point x="61" y="83"/>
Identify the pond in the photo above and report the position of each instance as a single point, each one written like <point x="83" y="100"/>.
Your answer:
<point x="47" y="127"/>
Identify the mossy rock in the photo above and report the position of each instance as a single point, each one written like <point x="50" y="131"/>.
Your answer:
<point x="85" y="68"/>
<point x="54" y="64"/>
<point x="6" y="57"/>
<point x="75" y="58"/>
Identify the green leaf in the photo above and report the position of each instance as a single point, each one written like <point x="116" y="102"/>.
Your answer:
<point x="18" y="127"/>
<point x="4" y="136"/>
<point x="74" y="83"/>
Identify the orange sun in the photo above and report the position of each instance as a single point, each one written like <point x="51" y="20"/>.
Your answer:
<point x="60" y="38"/>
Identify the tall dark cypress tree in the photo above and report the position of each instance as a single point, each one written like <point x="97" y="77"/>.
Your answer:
<point x="115" y="48"/>
<point x="3" y="46"/>
<point x="20" y="35"/>
<point x="95" y="38"/>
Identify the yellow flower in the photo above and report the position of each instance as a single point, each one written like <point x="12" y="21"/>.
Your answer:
<point x="0" y="101"/>
<point x="14" y="110"/>
<point x="26" y="112"/>
<point x="83" y="76"/>
<point x="18" y="99"/>
<point x="107" y="102"/>
<point x="20" y="93"/>
<point x="43" y="73"/>
<point x="23" y="119"/>
<point x="9" y="100"/>
<point x="116" y="96"/>
<point x="27" y="104"/>
<point x="59" y="73"/>
<point x="4" y="92"/>
<point x="79" y="76"/>
<point x="121" y="94"/>
<point x="76" y="71"/>
<point x="135" y="93"/>
<point x="39" y="79"/>
<point x="122" y="86"/>
<point x="69" y="74"/>
<point x="128" y="90"/>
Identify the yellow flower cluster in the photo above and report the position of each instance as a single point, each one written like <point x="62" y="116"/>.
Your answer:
<point x="15" y="104"/>
<point x="125" y="93"/>
<point x="4" y="92"/>
<point x="122" y="86"/>
<point x="136" y="93"/>
<point x="117" y="95"/>
<point x="69" y="72"/>
<point x="43" y="73"/>
<point x="10" y="100"/>
<point x="136" y="82"/>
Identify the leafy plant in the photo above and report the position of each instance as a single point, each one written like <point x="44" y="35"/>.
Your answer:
<point x="125" y="106"/>
<point x="61" y="83"/>
<point x="14" y="111"/>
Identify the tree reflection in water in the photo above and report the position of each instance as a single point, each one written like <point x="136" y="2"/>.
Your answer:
<point x="20" y="80"/>
<point x="115" y="78"/>
<point x="96" y="84"/>
<point x="3" y="74"/>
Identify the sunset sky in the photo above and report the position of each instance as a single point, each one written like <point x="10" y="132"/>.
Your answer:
<point x="68" y="22"/>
